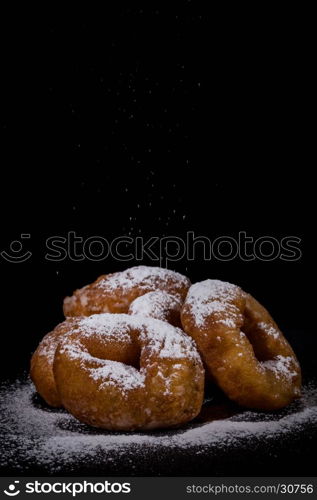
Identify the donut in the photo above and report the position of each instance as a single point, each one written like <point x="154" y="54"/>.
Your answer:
<point x="159" y="305"/>
<point x="242" y="347"/>
<point x="122" y="372"/>
<point x="42" y="361"/>
<point x="114" y="292"/>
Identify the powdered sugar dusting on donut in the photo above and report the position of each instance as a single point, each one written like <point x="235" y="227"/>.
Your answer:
<point x="155" y="304"/>
<point x="210" y="297"/>
<point x="47" y="347"/>
<point x="117" y="374"/>
<point x="163" y="339"/>
<point x="104" y="324"/>
<point x="282" y="366"/>
<point x="159" y="339"/>
<point x="143" y="277"/>
<point x="269" y="329"/>
<point x="165" y="342"/>
<point x="212" y="290"/>
<point x="227" y="322"/>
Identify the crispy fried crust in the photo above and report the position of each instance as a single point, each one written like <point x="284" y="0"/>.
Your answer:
<point x="241" y="345"/>
<point x="41" y="371"/>
<point x="115" y="292"/>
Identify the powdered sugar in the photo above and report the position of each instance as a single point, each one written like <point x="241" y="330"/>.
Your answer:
<point x="269" y="329"/>
<point x="162" y="339"/>
<point x="143" y="277"/>
<point x="227" y="322"/>
<point x="117" y="374"/>
<point x="105" y="324"/>
<point x="30" y="434"/>
<point x="281" y="366"/>
<point x="213" y="298"/>
<point x="47" y="348"/>
<point x="156" y="304"/>
<point x="212" y="290"/>
<point x="158" y="338"/>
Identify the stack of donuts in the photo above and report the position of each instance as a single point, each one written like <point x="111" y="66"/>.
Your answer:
<point x="135" y="345"/>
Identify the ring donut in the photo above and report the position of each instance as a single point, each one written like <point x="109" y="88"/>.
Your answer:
<point x="114" y="293"/>
<point x="124" y="372"/>
<point x="241" y="345"/>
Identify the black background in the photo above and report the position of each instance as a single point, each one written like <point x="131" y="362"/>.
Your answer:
<point x="155" y="121"/>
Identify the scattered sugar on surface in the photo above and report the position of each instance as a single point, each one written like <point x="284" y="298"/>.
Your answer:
<point x="33" y="434"/>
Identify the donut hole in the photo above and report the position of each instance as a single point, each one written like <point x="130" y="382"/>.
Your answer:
<point x="257" y="340"/>
<point x="125" y="351"/>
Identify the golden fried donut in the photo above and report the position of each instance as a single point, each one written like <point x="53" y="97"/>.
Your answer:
<point x="43" y="358"/>
<point x="159" y="305"/>
<point x="115" y="292"/>
<point x="122" y="372"/>
<point x="241" y="345"/>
